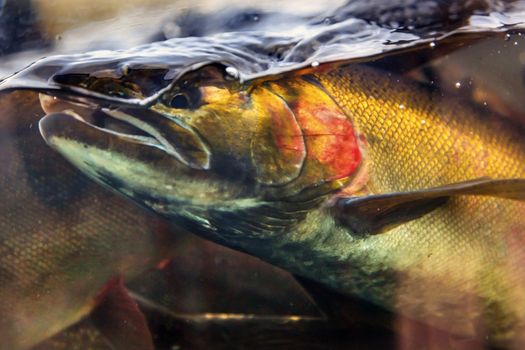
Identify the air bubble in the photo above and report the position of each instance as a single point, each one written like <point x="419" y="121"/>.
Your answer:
<point x="315" y="64"/>
<point x="232" y="72"/>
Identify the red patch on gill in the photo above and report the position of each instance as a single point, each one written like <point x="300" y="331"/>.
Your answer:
<point x="330" y="138"/>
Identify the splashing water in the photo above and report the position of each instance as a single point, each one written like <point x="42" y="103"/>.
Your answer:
<point x="255" y="43"/>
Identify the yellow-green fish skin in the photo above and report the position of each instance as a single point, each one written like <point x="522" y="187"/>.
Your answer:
<point x="463" y="261"/>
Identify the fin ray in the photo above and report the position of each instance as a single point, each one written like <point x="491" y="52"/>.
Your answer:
<point x="378" y="213"/>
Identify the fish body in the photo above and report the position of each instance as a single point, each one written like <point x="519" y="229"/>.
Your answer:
<point x="460" y="266"/>
<point x="370" y="184"/>
<point x="62" y="238"/>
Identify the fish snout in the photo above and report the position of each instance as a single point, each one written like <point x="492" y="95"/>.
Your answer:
<point x="134" y="124"/>
<point x="174" y="136"/>
<point x="53" y="104"/>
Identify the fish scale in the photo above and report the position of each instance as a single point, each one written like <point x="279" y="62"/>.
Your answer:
<point x="468" y="242"/>
<point x="49" y="249"/>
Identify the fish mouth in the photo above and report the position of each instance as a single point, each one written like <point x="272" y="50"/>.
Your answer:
<point x="125" y="124"/>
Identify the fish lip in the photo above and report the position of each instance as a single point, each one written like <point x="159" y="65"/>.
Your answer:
<point x="143" y="140"/>
<point x="92" y="108"/>
<point x="120" y="113"/>
<point x="170" y="146"/>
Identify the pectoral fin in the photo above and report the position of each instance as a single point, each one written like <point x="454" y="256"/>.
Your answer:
<point x="378" y="213"/>
<point x="118" y="317"/>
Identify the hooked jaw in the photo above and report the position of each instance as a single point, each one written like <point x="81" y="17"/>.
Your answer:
<point x="144" y="155"/>
<point x="136" y="125"/>
<point x="124" y="163"/>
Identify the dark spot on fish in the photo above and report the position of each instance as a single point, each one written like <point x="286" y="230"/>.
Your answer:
<point x="372" y="140"/>
<point x="136" y="197"/>
<point x="233" y="170"/>
<point x="108" y="179"/>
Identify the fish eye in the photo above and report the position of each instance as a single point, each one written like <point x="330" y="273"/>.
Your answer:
<point x="187" y="98"/>
<point x="180" y="101"/>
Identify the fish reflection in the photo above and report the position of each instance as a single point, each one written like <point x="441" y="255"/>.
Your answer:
<point x="61" y="258"/>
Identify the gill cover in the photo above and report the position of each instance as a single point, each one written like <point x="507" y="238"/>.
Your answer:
<point x="304" y="139"/>
<point x="278" y="147"/>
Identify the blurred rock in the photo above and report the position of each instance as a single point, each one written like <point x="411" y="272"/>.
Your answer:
<point x="19" y="27"/>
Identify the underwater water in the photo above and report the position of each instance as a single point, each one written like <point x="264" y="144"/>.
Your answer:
<point x="64" y="236"/>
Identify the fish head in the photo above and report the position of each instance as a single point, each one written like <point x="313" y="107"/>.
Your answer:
<point x="204" y="148"/>
<point x="169" y="154"/>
